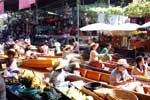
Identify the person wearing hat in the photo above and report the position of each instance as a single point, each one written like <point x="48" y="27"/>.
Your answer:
<point x="120" y="78"/>
<point x="45" y="49"/>
<point x="57" y="76"/>
<point x="95" y="57"/>
<point x="31" y="53"/>
<point x="11" y="69"/>
<point x="67" y="50"/>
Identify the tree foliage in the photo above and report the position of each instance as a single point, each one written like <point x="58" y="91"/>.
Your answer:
<point x="133" y="9"/>
<point x="138" y="9"/>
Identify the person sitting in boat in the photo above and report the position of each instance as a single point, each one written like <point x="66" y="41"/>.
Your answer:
<point x="45" y="48"/>
<point x="121" y="79"/>
<point x="57" y="47"/>
<point x="11" y="69"/>
<point x="75" y="45"/>
<point x="27" y="40"/>
<point x="105" y="52"/>
<point x="31" y="53"/>
<point x="18" y="46"/>
<point x="95" y="57"/>
<point x="140" y="68"/>
<point x="67" y="50"/>
<point x="57" y="76"/>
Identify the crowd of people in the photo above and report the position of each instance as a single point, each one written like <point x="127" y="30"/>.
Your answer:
<point x="119" y="75"/>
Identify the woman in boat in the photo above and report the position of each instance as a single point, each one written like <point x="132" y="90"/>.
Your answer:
<point x="31" y="52"/>
<point x="140" y="68"/>
<point x="75" y="45"/>
<point x="121" y="79"/>
<point x="105" y="52"/>
<point x="95" y="57"/>
<point x="12" y="69"/>
<point x="45" y="48"/>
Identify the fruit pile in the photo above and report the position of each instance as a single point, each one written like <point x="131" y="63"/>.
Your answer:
<point x="75" y="94"/>
<point x="11" y="80"/>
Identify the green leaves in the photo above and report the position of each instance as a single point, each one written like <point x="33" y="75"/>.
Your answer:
<point x="133" y="9"/>
<point x="138" y="9"/>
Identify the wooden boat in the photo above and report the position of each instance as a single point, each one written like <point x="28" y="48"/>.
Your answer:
<point x="95" y="76"/>
<point x="14" y="96"/>
<point x="139" y="78"/>
<point x="40" y="63"/>
<point x="47" y="56"/>
<point x="109" y="66"/>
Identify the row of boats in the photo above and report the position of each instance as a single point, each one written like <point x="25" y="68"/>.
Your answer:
<point x="87" y="74"/>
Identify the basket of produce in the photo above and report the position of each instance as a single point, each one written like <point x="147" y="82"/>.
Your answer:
<point x="11" y="80"/>
<point x="75" y="94"/>
<point x="115" y="94"/>
<point x="92" y="85"/>
<point x="31" y="81"/>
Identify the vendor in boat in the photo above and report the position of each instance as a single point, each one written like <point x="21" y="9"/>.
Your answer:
<point x="121" y="79"/>
<point x="67" y="50"/>
<point x="31" y="52"/>
<point x="69" y="58"/>
<point x="57" y="47"/>
<point x="2" y="89"/>
<point x="75" y="45"/>
<point x="105" y="52"/>
<point x="45" y="49"/>
<point x="140" y="68"/>
<point x="95" y="57"/>
<point x="11" y="69"/>
<point x="57" y="76"/>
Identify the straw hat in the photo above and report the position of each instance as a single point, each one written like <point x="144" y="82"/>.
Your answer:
<point x="123" y="62"/>
<point x="93" y="45"/>
<point x="67" y="47"/>
<point x="11" y="52"/>
<point x="57" y="66"/>
<point x="33" y="48"/>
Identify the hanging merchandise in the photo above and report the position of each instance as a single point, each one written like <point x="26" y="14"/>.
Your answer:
<point x="32" y="2"/>
<point x="1" y="7"/>
<point x="23" y="4"/>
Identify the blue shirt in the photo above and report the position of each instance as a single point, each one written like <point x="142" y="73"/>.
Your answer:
<point x="117" y="76"/>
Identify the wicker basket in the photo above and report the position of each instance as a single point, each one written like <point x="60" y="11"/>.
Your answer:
<point x="123" y="94"/>
<point x="115" y="94"/>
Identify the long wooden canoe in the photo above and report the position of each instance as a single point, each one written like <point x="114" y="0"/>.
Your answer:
<point x="139" y="78"/>
<point x="41" y="63"/>
<point x="90" y="75"/>
<point x="47" y="56"/>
